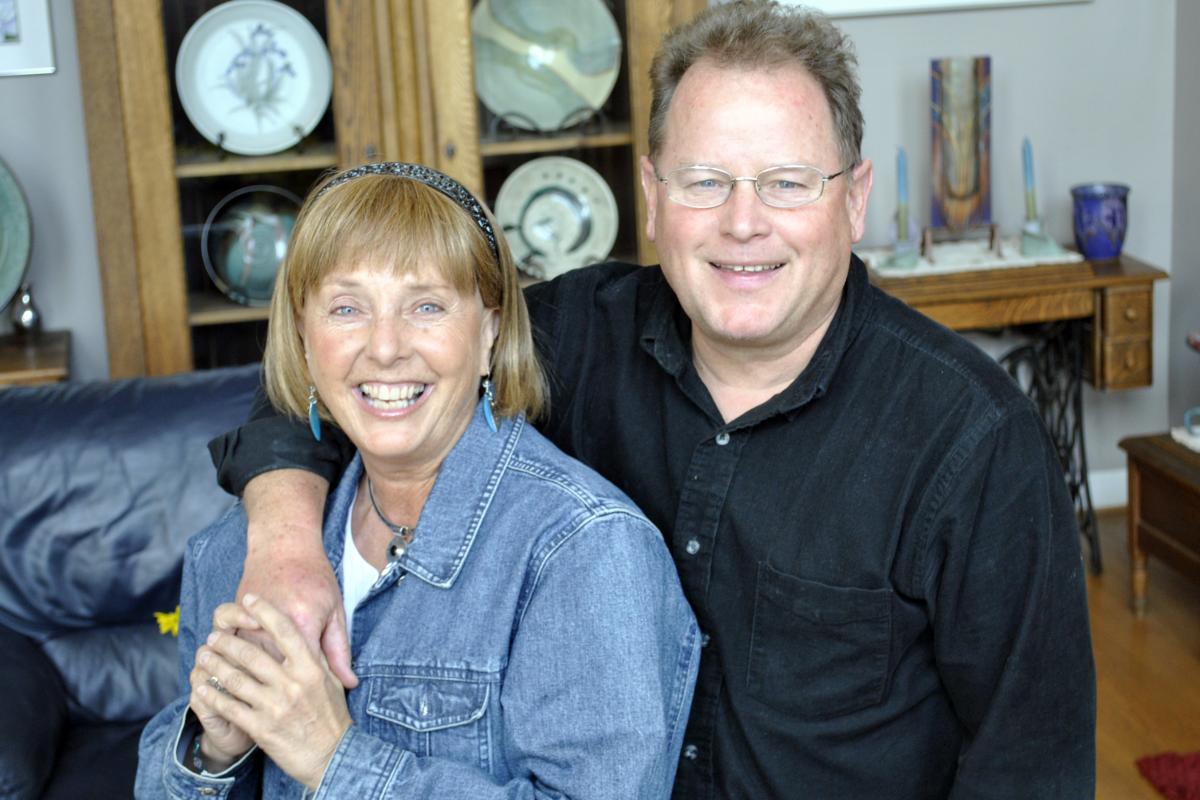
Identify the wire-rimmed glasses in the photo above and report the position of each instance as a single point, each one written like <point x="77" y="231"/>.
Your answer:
<point x="784" y="186"/>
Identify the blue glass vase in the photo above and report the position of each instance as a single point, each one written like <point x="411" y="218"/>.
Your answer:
<point x="1101" y="214"/>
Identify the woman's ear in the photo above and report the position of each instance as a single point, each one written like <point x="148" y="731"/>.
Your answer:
<point x="489" y="329"/>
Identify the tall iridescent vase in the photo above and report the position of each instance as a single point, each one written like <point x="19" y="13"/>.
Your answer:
<point x="1101" y="215"/>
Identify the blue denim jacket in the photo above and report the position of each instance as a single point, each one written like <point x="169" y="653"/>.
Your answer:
<point x="532" y="642"/>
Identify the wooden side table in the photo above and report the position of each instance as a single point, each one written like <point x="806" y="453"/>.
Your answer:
<point x="45" y="358"/>
<point x="1164" y="508"/>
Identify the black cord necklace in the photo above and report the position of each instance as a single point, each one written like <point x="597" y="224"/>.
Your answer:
<point x="402" y="536"/>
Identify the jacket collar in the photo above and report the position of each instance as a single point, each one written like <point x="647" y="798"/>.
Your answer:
<point x="456" y="506"/>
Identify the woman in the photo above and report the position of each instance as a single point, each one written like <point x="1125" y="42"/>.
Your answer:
<point x="517" y="626"/>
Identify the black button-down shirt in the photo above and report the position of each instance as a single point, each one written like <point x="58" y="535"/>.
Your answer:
<point x="883" y="557"/>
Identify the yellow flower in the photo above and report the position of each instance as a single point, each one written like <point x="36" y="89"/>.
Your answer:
<point x="168" y="621"/>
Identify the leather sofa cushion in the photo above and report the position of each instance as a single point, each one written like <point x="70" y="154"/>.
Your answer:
<point x="118" y="673"/>
<point x="102" y="482"/>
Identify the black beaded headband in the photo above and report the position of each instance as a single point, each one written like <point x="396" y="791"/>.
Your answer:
<point x="430" y="177"/>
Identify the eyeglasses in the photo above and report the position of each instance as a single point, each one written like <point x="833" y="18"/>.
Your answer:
<point x="785" y="186"/>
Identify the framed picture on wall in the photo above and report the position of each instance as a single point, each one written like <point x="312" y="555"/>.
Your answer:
<point x="26" y="43"/>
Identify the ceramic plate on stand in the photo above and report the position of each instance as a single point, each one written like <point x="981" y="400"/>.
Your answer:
<point x="254" y="76"/>
<point x="558" y="214"/>
<point x="544" y="65"/>
<point x="16" y="234"/>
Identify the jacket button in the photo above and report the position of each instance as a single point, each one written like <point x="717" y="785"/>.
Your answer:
<point x="691" y="752"/>
<point x="722" y="438"/>
<point x="692" y="547"/>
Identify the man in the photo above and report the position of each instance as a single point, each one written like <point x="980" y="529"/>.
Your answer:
<point x="867" y="515"/>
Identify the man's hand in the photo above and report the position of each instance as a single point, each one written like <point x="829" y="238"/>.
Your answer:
<point x="286" y="564"/>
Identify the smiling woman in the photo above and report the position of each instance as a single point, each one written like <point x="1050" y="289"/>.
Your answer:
<point x="469" y="551"/>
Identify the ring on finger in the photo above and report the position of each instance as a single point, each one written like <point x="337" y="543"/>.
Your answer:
<point x="215" y="682"/>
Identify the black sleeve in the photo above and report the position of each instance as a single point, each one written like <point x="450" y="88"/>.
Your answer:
<point x="271" y="440"/>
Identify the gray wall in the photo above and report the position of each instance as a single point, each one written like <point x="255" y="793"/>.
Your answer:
<point x="1092" y="85"/>
<point x="1184" y="373"/>
<point x="42" y="139"/>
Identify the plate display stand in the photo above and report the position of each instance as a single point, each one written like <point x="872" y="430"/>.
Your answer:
<point x="403" y="88"/>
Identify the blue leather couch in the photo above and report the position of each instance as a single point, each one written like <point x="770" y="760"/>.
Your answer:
<point x="101" y="483"/>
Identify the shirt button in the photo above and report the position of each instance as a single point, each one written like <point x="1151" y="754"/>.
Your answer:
<point x="704" y="639"/>
<point x="692" y="547"/>
<point x="722" y="438"/>
<point x="207" y="791"/>
<point x="691" y="752"/>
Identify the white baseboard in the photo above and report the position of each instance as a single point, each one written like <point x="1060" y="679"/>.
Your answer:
<point x="1110" y="488"/>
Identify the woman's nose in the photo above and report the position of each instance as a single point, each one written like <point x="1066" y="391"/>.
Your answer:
<point x="390" y="339"/>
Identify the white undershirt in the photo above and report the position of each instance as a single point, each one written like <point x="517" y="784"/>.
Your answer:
<point x="358" y="576"/>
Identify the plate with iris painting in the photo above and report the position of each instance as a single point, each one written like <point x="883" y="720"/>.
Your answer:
<point x="254" y="76"/>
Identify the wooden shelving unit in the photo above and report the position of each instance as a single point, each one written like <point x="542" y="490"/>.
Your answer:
<point x="403" y="90"/>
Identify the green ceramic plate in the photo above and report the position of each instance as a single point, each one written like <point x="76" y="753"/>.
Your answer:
<point x="14" y="236"/>
<point x="544" y="65"/>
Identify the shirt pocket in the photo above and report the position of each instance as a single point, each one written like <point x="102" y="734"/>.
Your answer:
<point x="432" y="717"/>
<point x="817" y="650"/>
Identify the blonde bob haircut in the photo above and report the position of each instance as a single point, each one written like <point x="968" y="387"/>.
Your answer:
<point x="403" y="222"/>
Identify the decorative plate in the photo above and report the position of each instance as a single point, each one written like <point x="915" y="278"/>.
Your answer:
<point x="544" y="65"/>
<point x="558" y="214"/>
<point x="254" y="76"/>
<point x="15" y="236"/>
<point x="245" y="239"/>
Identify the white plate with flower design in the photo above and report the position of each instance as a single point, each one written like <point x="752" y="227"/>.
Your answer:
<point x="254" y="76"/>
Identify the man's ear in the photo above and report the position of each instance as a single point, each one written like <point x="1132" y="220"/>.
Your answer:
<point x="856" y="198"/>
<point x="650" y="190"/>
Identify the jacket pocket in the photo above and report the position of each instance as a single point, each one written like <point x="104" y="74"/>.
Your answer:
<point x="817" y="650"/>
<point x="432" y="717"/>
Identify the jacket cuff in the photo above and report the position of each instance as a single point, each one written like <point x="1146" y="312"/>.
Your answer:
<point x="362" y="766"/>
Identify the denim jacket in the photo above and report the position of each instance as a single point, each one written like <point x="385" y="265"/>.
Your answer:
<point x="533" y="641"/>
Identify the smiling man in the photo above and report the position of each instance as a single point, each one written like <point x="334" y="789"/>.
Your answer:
<point x="867" y="516"/>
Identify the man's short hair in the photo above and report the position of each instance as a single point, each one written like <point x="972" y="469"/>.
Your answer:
<point x="761" y="34"/>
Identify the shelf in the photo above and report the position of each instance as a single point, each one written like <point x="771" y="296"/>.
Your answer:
<point x="210" y="162"/>
<point x="210" y="309"/>
<point x="610" y="134"/>
<point x="44" y="357"/>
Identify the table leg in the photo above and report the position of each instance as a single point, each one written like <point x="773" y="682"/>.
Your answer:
<point x="1137" y="558"/>
<point x="1050" y="370"/>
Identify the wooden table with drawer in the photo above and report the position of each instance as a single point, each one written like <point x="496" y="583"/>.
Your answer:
<point x="1113" y="299"/>
<point x="1164" y="509"/>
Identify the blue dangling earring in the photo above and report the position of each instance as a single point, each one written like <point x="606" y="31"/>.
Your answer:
<point x="314" y="419"/>
<point x="489" y="400"/>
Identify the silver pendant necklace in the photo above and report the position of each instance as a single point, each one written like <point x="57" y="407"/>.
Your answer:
<point x="402" y="536"/>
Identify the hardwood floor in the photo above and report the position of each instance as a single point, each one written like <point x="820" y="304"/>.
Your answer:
<point x="1147" y="670"/>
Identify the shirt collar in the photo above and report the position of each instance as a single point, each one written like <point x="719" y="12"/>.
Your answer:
<point x="666" y="337"/>
<point x="455" y="509"/>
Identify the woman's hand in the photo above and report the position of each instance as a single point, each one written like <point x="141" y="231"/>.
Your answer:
<point x="223" y="742"/>
<point x="294" y="709"/>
